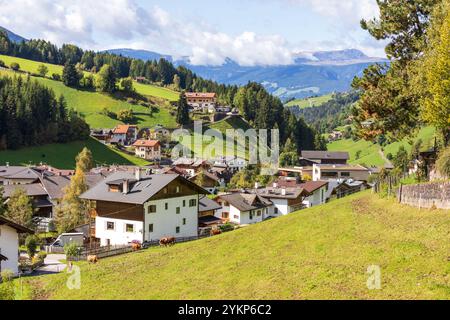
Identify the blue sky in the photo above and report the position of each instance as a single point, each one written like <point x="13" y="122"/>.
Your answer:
<point x="252" y="32"/>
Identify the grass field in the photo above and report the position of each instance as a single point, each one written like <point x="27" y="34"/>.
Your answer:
<point x="155" y="91"/>
<point x="319" y="253"/>
<point x="63" y="155"/>
<point x="370" y="152"/>
<point x="310" y="102"/>
<point x="90" y="104"/>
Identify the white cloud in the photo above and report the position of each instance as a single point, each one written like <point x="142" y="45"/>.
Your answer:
<point x="84" y="22"/>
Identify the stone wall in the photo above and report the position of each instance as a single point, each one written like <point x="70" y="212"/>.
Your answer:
<point x="426" y="195"/>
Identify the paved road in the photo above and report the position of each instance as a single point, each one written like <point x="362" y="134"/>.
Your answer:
<point x="52" y="265"/>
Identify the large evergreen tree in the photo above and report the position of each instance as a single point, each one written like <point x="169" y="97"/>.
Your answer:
<point x="183" y="111"/>
<point x="71" y="77"/>
<point x="106" y="79"/>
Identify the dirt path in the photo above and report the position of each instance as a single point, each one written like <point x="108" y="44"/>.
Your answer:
<point x="385" y="159"/>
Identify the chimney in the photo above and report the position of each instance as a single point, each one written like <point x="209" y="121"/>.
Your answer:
<point x="283" y="192"/>
<point x="126" y="187"/>
<point x="138" y="174"/>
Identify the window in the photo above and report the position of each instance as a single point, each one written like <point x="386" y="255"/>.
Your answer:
<point x="225" y="215"/>
<point x="192" y="203"/>
<point x="110" y="226"/>
<point x="251" y="216"/>
<point x="150" y="228"/>
<point x="259" y="213"/>
<point x="184" y="221"/>
<point x="166" y="190"/>
<point x="236" y="217"/>
<point x="345" y="174"/>
<point x="167" y="206"/>
<point x="178" y="210"/>
<point x="152" y="209"/>
<point x="130" y="228"/>
<point x="177" y="190"/>
<point x="178" y="230"/>
<point x="184" y="203"/>
<point x="276" y="210"/>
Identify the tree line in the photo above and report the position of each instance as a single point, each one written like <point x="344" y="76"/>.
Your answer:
<point x="30" y="114"/>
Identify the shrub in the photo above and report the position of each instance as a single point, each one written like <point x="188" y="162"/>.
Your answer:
<point x="72" y="250"/>
<point x="31" y="243"/>
<point x="15" y="66"/>
<point x="125" y="115"/>
<point x="226" y="227"/>
<point x="2" y="64"/>
<point x="443" y="162"/>
<point x="56" y="77"/>
<point x="7" y="286"/>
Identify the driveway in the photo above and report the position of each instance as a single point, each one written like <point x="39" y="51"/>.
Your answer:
<point x="51" y="265"/>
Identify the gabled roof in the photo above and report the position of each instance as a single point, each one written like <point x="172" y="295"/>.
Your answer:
<point x="206" y="204"/>
<point x="140" y="191"/>
<point x="18" y="227"/>
<point x="312" y="186"/>
<point x="146" y="143"/>
<point x="246" y="202"/>
<point x="123" y="128"/>
<point x="277" y="193"/>
<point x="18" y="173"/>
<point x="32" y="190"/>
<point x="3" y="258"/>
<point x="324" y="155"/>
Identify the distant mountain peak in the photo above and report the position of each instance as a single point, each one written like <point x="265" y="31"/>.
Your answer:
<point x="12" y="36"/>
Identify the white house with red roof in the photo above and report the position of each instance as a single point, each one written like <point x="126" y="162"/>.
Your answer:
<point x="148" y="149"/>
<point x="125" y="134"/>
<point x="201" y="101"/>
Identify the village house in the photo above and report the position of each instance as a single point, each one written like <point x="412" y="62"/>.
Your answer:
<point x="159" y="131"/>
<point x="243" y="208"/>
<point x="284" y="200"/>
<point x="144" y="207"/>
<point x="9" y="244"/>
<point x="191" y="165"/>
<point x="335" y="135"/>
<point x="210" y="181"/>
<point x="125" y="134"/>
<point x="148" y="149"/>
<point x="102" y="135"/>
<point x="201" y="101"/>
<point x="317" y="191"/>
<point x="337" y="172"/>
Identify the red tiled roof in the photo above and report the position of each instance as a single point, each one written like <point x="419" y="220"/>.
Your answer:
<point x="123" y="129"/>
<point x="146" y="143"/>
<point x="312" y="186"/>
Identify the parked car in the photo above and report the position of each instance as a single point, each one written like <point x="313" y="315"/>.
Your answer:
<point x="69" y="238"/>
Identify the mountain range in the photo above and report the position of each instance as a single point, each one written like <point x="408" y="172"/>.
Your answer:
<point x="312" y="73"/>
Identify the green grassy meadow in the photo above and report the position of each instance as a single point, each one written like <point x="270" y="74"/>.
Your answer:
<point x="370" y="152"/>
<point x="63" y="155"/>
<point x="310" y="102"/>
<point x="319" y="253"/>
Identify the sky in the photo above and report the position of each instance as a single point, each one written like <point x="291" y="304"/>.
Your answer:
<point x="250" y="32"/>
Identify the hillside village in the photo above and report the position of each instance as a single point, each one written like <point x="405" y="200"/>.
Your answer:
<point x="123" y="167"/>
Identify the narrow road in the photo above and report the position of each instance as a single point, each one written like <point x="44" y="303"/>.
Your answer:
<point x="52" y="264"/>
<point x="386" y="160"/>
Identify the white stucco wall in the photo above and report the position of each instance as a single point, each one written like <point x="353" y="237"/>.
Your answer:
<point x="119" y="236"/>
<point x="317" y="198"/>
<point x="9" y="247"/>
<point x="282" y="206"/>
<point x="165" y="221"/>
<point x="243" y="217"/>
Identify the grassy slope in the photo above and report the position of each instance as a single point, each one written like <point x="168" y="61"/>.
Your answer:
<point x="63" y="155"/>
<point x="310" y="102"/>
<point x="370" y="152"/>
<point x="155" y="91"/>
<point x="319" y="253"/>
<point x="90" y="104"/>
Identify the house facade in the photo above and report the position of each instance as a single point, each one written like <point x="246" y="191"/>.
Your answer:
<point x="335" y="172"/>
<point x="125" y="134"/>
<point x="144" y="207"/>
<point x="243" y="208"/>
<point x="148" y="149"/>
<point x="9" y="244"/>
<point x="200" y="101"/>
<point x="317" y="193"/>
<point x="285" y="200"/>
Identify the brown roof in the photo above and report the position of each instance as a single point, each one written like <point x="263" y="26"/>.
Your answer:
<point x="277" y="193"/>
<point x="246" y="202"/>
<point x="210" y="95"/>
<point x="312" y="186"/>
<point x="146" y="143"/>
<point x="18" y="227"/>
<point x="123" y="128"/>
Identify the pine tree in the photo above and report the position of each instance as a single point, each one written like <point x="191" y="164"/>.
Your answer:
<point x="70" y="76"/>
<point x="106" y="79"/>
<point x="183" y="111"/>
